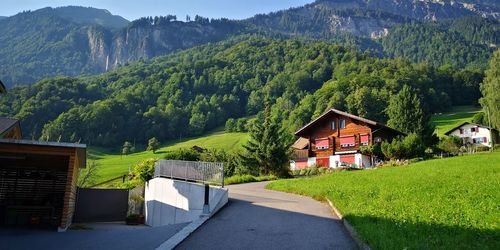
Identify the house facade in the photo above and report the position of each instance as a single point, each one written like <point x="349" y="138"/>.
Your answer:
<point x="474" y="134"/>
<point x="334" y="139"/>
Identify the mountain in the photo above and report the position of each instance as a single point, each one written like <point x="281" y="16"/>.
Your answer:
<point x="2" y="17"/>
<point x="190" y="92"/>
<point x="88" y="15"/>
<point x="77" y="40"/>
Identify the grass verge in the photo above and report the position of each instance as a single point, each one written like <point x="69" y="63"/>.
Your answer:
<point x="236" y="179"/>
<point x="451" y="203"/>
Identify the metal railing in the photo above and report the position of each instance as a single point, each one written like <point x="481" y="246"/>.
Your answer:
<point x="198" y="171"/>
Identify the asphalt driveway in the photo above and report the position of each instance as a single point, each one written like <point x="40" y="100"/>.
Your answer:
<point x="256" y="218"/>
<point x="98" y="236"/>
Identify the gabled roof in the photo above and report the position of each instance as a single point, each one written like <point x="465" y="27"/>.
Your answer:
<point x="471" y="123"/>
<point x="354" y="117"/>
<point x="6" y="124"/>
<point x="300" y="143"/>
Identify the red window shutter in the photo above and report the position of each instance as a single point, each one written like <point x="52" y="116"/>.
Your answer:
<point x="485" y="140"/>
<point x="322" y="143"/>
<point x="324" y="162"/>
<point x="364" y="138"/>
<point x="347" y="140"/>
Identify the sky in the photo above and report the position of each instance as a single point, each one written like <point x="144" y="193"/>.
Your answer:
<point x="133" y="9"/>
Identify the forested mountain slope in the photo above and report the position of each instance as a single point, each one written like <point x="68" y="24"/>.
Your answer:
<point x="191" y="92"/>
<point x="76" y="40"/>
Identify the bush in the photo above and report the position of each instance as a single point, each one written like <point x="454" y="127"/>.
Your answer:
<point x="481" y="148"/>
<point x="236" y="179"/>
<point x="321" y="170"/>
<point x="183" y="154"/>
<point x="313" y="170"/>
<point x="407" y="147"/>
<point x="450" y="144"/>
<point x="141" y="173"/>
<point x="303" y="171"/>
<point x="296" y="172"/>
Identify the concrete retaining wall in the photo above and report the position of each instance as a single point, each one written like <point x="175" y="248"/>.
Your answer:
<point x="170" y="201"/>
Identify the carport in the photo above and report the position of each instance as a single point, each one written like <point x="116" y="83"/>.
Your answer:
<point x="38" y="182"/>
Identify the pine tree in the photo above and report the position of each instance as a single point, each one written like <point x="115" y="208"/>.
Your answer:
<point x="490" y="88"/>
<point x="267" y="150"/>
<point x="407" y="115"/>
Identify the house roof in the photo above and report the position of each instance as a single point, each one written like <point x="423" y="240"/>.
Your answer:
<point x="2" y="88"/>
<point x="471" y="123"/>
<point x="6" y="124"/>
<point x="354" y="117"/>
<point x="300" y="143"/>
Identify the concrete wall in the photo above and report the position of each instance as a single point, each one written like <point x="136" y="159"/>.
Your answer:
<point x="170" y="201"/>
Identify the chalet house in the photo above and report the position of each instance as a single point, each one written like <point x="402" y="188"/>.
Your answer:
<point x="475" y="134"/>
<point x="334" y="139"/>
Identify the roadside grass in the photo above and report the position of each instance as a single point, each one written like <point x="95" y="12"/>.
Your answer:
<point x="451" y="203"/>
<point x="457" y="115"/>
<point x="237" y="179"/>
<point x="112" y="164"/>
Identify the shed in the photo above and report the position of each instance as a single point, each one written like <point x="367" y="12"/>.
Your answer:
<point x="38" y="182"/>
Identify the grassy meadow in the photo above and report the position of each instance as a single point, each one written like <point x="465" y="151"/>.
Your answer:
<point x="451" y="203"/>
<point x="112" y="164"/>
<point x="454" y="117"/>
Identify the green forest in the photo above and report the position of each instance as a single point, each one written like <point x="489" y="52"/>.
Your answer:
<point x="194" y="91"/>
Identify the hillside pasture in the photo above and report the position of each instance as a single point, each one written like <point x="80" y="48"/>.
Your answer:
<point x="112" y="164"/>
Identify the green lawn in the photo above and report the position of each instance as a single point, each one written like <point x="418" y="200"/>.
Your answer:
<point x="451" y="203"/>
<point x="112" y="164"/>
<point x="453" y="118"/>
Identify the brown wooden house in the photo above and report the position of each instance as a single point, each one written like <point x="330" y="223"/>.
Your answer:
<point x="334" y="139"/>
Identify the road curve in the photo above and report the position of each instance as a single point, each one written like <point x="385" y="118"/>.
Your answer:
<point x="256" y="218"/>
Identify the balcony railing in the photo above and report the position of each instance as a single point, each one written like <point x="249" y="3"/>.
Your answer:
<point x="197" y="171"/>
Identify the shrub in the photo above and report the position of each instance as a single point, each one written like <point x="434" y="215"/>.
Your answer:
<point x="313" y="170"/>
<point x="296" y="172"/>
<point x="321" y="170"/>
<point x="450" y="144"/>
<point x="236" y="179"/>
<point x="481" y="148"/>
<point x="183" y="154"/>
<point x="303" y="171"/>
<point x="407" y="147"/>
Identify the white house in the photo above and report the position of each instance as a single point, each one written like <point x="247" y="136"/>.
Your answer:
<point x="473" y="133"/>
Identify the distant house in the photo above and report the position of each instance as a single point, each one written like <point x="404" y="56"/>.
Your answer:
<point x="10" y="128"/>
<point x="334" y="139"/>
<point x="474" y="134"/>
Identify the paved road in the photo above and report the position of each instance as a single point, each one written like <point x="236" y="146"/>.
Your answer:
<point x="101" y="236"/>
<point x="256" y="218"/>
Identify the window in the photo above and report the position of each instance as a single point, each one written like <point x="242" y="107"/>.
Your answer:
<point x="342" y="123"/>
<point x="322" y="143"/>
<point x="348" y="141"/>
<point x="364" y="139"/>
<point x="461" y="131"/>
<point x="333" y="125"/>
<point x="472" y="129"/>
<point x="479" y="140"/>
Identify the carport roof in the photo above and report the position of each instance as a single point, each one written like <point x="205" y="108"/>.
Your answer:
<point x="44" y="143"/>
<point x="7" y="123"/>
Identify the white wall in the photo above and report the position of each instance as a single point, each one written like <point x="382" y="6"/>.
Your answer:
<point x="170" y="201"/>
<point x="483" y="132"/>
<point x="311" y="161"/>
<point x="334" y="159"/>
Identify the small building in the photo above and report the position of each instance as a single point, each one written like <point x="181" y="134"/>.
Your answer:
<point x="38" y="182"/>
<point x="334" y="139"/>
<point x="475" y="134"/>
